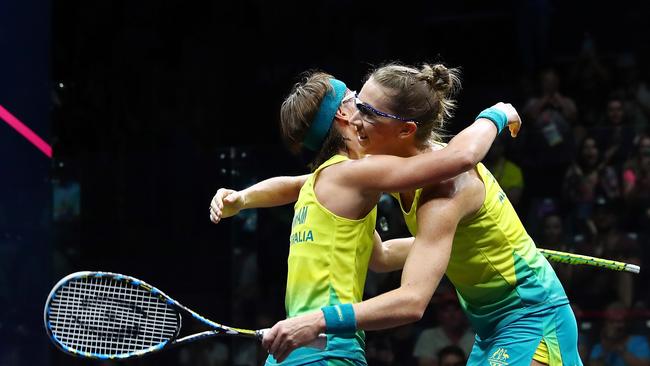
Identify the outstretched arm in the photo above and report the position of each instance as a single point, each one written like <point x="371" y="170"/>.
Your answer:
<point x="389" y="255"/>
<point x="276" y="191"/>
<point x="386" y="173"/>
<point x="423" y="270"/>
<point x="425" y="266"/>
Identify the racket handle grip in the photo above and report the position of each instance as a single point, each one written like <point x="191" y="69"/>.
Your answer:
<point x="319" y="343"/>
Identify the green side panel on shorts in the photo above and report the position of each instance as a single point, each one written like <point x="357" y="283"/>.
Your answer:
<point x="553" y="345"/>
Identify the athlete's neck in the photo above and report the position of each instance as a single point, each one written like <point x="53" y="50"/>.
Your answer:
<point x="413" y="150"/>
<point x="406" y="150"/>
<point x="348" y="153"/>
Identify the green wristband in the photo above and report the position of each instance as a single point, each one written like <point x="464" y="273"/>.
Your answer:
<point x="497" y="116"/>
<point x="339" y="318"/>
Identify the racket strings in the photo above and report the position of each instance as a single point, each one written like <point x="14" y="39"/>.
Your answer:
<point x="103" y="315"/>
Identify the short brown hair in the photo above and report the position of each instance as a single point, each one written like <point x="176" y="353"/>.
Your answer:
<point x="297" y="114"/>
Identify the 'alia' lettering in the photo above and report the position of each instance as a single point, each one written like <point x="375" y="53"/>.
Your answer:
<point x="301" y="236"/>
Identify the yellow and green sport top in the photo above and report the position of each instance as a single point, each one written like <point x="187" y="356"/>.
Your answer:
<point x="497" y="271"/>
<point x="328" y="263"/>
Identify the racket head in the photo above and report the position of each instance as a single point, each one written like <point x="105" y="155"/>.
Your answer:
<point x="105" y="315"/>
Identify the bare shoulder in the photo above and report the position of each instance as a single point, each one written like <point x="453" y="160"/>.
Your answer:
<point x="337" y="176"/>
<point x="332" y="179"/>
<point x="465" y="191"/>
<point x="340" y="195"/>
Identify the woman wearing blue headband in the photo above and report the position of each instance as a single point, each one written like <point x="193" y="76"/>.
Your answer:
<point x="332" y="237"/>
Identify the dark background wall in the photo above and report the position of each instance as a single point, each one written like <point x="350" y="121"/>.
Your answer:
<point x="25" y="191"/>
<point x="151" y="106"/>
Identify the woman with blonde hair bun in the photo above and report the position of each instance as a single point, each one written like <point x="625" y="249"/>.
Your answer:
<point x="331" y="241"/>
<point x="464" y="227"/>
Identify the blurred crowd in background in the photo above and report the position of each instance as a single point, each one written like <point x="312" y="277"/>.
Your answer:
<point x="156" y="105"/>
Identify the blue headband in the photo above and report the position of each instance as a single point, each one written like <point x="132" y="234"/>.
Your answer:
<point x="322" y="122"/>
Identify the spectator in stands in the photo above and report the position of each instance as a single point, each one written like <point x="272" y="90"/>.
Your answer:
<point x="636" y="92"/>
<point x="548" y="137"/>
<point x="553" y="237"/>
<point x="452" y="356"/>
<point x="617" y="347"/>
<point x="615" y="133"/>
<point x="551" y="101"/>
<point x="452" y="329"/>
<point x="636" y="183"/>
<point x="586" y="178"/>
